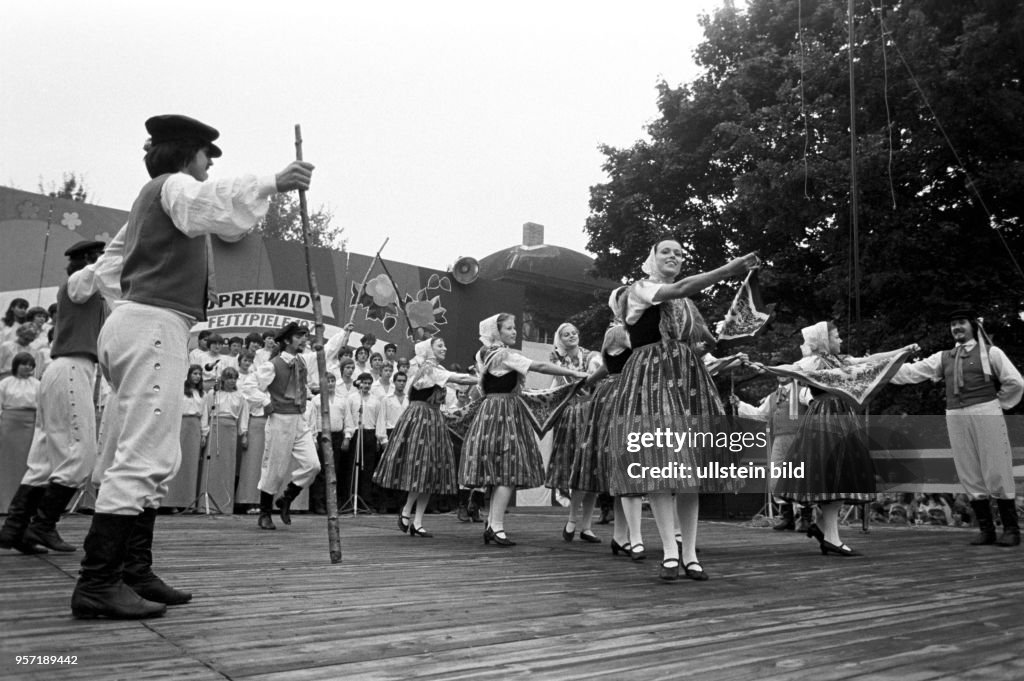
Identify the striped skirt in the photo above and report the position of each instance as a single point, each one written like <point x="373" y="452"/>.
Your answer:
<point x="663" y="386"/>
<point x="181" y="489"/>
<point x="590" y="467"/>
<point x="500" y="446"/>
<point x="419" y="457"/>
<point x="566" y="441"/>
<point x="831" y="443"/>
<point x="251" y="462"/>
<point x="17" y="427"/>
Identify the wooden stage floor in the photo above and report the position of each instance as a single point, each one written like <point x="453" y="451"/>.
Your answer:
<point x="920" y="605"/>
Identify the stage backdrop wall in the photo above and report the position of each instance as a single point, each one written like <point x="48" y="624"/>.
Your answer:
<point x="261" y="283"/>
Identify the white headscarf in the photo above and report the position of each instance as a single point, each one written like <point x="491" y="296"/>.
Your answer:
<point x="615" y="304"/>
<point x="559" y="345"/>
<point x="489" y="334"/>
<point x="423" y="361"/>
<point x="815" y="340"/>
<point x="650" y="266"/>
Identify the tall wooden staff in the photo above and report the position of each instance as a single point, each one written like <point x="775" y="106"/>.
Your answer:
<point x="333" y="535"/>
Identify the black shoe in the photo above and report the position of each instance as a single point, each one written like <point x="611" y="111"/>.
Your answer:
<point x="138" y="565"/>
<point x="100" y="591"/>
<point x="669" y="570"/>
<point x="589" y="537"/>
<point x="618" y="548"/>
<point x="403" y="526"/>
<point x="698" y="575"/>
<point x="499" y="538"/>
<point x="418" y="531"/>
<point x="43" y="527"/>
<point x="638" y="552"/>
<point x="840" y="550"/>
<point x="814" y="532"/>
<point x="786" y="520"/>
<point x="266" y="522"/>
<point x="566" y="534"/>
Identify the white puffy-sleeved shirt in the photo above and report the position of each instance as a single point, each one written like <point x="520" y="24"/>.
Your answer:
<point x="19" y="393"/>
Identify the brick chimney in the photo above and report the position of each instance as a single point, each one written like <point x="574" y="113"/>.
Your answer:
<point x="533" y="234"/>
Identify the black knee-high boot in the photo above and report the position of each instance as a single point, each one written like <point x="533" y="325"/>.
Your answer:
<point x="266" y="522"/>
<point x="19" y="513"/>
<point x="100" y="591"/>
<point x="983" y="512"/>
<point x="285" y="502"/>
<point x="43" y="528"/>
<point x="1011" y="529"/>
<point x="138" y="564"/>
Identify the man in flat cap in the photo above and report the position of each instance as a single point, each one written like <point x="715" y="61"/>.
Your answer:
<point x="143" y="350"/>
<point x="980" y="382"/>
<point x="63" y="450"/>
<point x="290" y="462"/>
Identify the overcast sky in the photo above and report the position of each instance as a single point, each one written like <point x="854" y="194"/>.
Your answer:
<point x="443" y="125"/>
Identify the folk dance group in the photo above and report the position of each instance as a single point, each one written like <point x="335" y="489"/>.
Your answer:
<point x="154" y="274"/>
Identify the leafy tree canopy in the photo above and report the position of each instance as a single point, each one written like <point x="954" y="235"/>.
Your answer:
<point x="284" y="222"/>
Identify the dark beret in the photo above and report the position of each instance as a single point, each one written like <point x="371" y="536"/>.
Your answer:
<point x="177" y="128"/>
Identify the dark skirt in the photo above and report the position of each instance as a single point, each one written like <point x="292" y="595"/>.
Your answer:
<point x="181" y="489"/>
<point x="590" y="466"/>
<point x="17" y="427"/>
<point x="251" y="461"/>
<point x="220" y="457"/>
<point x="419" y="457"/>
<point x="500" y="446"/>
<point x="664" y="385"/>
<point x="566" y="441"/>
<point x="831" y="443"/>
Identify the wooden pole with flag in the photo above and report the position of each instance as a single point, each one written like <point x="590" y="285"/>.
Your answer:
<point x="333" y="533"/>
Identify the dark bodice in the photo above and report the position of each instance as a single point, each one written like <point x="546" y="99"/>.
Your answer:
<point x="421" y="395"/>
<point x="500" y="384"/>
<point x="647" y="329"/>
<point x="614" y="363"/>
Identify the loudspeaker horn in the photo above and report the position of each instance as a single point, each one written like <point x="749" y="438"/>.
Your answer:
<point x="465" y="270"/>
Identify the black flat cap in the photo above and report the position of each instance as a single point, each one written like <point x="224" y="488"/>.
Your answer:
<point x="963" y="313"/>
<point x="178" y="128"/>
<point x="84" y="248"/>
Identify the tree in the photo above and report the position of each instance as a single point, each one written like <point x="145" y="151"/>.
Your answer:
<point x="755" y="155"/>
<point x="284" y="222"/>
<point x="72" y="187"/>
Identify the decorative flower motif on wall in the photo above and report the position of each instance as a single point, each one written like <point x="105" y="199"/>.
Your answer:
<point x="424" y="310"/>
<point x="28" y="210"/>
<point x="71" y="221"/>
<point x="379" y="299"/>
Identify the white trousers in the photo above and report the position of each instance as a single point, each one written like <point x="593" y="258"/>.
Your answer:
<point x="64" y="446"/>
<point x="981" y="450"/>
<point x="289" y="454"/>
<point x="144" y="354"/>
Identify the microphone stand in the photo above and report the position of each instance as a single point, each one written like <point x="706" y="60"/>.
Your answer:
<point x="212" y="442"/>
<point x="355" y="501"/>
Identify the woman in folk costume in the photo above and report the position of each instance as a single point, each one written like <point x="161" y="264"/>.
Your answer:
<point x="830" y="442"/>
<point x="664" y="381"/>
<point x="182" y="488"/>
<point x="229" y="429"/>
<point x="19" y="398"/>
<point x="592" y="465"/>
<point x="568" y="434"/>
<point x="500" y="448"/>
<point x="419" y="457"/>
<point x="251" y="459"/>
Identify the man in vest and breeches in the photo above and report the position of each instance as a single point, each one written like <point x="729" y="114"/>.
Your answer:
<point x="143" y="351"/>
<point x="980" y="383"/>
<point x="63" y="449"/>
<point x="289" y="456"/>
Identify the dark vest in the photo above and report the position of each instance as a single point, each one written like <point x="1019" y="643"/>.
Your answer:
<point x="162" y="267"/>
<point x="282" y="403"/>
<point x="647" y="329"/>
<point x="976" y="388"/>
<point x="78" y="325"/>
<point x="500" y="384"/>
